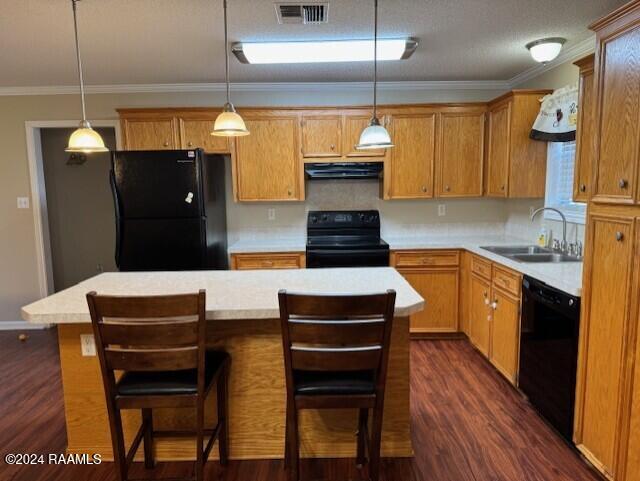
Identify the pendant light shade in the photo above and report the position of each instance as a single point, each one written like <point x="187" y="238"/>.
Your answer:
<point x="84" y="138"/>
<point x="375" y="136"/>
<point x="228" y="123"/>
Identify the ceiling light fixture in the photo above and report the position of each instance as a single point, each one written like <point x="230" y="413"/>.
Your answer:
<point x="84" y="138"/>
<point x="228" y="123"/>
<point x="546" y="49"/>
<point x="324" y="51"/>
<point x="375" y="136"/>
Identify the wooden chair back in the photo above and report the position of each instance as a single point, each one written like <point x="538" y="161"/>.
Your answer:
<point x="336" y="333"/>
<point x="152" y="333"/>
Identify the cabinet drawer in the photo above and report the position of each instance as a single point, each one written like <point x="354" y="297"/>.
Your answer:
<point x="426" y="258"/>
<point x="289" y="260"/>
<point x="481" y="267"/>
<point x="506" y="280"/>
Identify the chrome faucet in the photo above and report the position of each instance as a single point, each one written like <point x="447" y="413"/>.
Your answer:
<point x="563" y="244"/>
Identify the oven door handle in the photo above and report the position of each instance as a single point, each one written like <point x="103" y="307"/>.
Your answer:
<point x="346" y="252"/>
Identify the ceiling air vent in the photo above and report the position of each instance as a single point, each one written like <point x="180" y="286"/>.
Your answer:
<point x="307" y="13"/>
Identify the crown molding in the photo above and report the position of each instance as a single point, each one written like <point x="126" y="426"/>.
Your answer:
<point x="258" y="87"/>
<point x="571" y="54"/>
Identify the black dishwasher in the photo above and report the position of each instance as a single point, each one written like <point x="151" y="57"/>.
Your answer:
<point x="549" y="352"/>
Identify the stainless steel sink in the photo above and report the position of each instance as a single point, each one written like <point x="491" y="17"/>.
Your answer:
<point x="531" y="253"/>
<point x="510" y="250"/>
<point x="554" y="257"/>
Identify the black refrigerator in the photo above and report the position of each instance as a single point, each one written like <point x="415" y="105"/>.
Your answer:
<point x="170" y="210"/>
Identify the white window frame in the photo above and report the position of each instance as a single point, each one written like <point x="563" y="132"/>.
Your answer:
<point x="559" y="185"/>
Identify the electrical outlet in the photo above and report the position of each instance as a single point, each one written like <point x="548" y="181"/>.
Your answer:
<point x="88" y="345"/>
<point x="271" y="214"/>
<point x="442" y="210"/>
<point x="23" y="202"/>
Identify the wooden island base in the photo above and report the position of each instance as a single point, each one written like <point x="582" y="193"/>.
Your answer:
<point x="256" y="400"/>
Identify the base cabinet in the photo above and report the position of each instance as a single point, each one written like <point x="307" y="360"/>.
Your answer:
<point x="480" y="316"/>
<point x="268" y="260"/>
<point x="505" y="334"/>
<point x="435" y="275"/>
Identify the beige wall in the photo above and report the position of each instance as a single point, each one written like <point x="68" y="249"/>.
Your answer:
<point x="18" y="270"/>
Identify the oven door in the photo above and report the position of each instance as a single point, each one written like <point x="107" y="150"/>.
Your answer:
<point x="347" y="258"/>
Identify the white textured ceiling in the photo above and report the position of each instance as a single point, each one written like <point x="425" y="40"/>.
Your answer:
<point x="176" y="41"/>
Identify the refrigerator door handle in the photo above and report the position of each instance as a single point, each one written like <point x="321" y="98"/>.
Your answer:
<point x="116" y="202"/>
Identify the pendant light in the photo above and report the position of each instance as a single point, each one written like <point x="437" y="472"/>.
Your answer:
<point x="84" y="138"/>
<point x="375" y="136"/>
<point x="228" y="123"/>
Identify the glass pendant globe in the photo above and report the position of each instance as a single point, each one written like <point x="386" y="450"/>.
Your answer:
<point x="85" y="139"/>
<point x="375" y="136"/>
<point x="229" y="123"/>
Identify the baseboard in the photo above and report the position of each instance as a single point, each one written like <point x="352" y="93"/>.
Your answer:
<point x="21" y="326"/>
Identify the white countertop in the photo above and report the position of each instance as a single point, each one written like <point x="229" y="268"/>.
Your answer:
<point x="564" y="276"/>
<point x="268" y="245"/>
<point x="230" y="294"/>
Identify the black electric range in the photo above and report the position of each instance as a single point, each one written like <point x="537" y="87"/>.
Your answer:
<point x="345" y="239"/>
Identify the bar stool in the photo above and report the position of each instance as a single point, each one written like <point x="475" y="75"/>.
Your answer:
<point x="336" y="350"/>
<point x="159" y="343"/>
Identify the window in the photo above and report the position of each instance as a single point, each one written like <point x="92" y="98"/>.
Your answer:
<point x="559" y="192"/>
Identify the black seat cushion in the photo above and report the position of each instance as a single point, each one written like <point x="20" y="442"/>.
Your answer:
<point x="144" y="383"/>
<point x="331" y="383"/>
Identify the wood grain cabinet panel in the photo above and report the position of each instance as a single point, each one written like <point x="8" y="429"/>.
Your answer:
<point x="618" y="114"/>
<point x="267" y="162"/>
<point x="505" y="334"/>
<point x="411" y="164"/>
<point x="479" y="314"/>
<point x="604" y="327"/>
<point x="585" y="131"/>
<point x="422" y="258"/>
<point x="196" y="133"/>
<point x="144" y="134"/>
<point x="498" y="151"/>
<point x="354" y="124"/>
<point x="461" y="157"/>
<point x="321" y="136"/>
<point x="268" y="260"/>
<point x="440" y="288"/>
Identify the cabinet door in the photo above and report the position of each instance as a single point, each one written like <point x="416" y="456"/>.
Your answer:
<point x="618" y="116"/>
<point x="321" y="136"/>
<point x="353" y="127"/>
<point x="196" y="133"/>
<point x="505" y="334"/>
<point x="150" y="134"/>
<point x="498" y="150"/>
<point x="411" y="164"/>
<point x="461" y="155"/>
<point x="440" y="288"/>
<point x="584" y="135"/>
<point x="632" y="465"/>
<point x="267" y="161"/>
<point x="605" y="325"/>
<point x="479" y="315"/>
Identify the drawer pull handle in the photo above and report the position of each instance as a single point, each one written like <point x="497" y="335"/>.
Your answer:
<point x="619" y="236"/>
<point x="424" y="188"/>
<point x="333" y="147"/>
<point x="623" y="183"/>
<point x="190" y="144"/>
<point x="166" y="144"/>
<point x="447" y="188"/>
<point x="583" y="188"/>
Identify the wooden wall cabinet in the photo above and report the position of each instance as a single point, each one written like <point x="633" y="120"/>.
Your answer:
<point x="584" y="131"/>
<point x="268" y="260"/>
<point x="516" y="165"/>
<point x="195" y="131"/>
<point x="410" y="168"/>
<point x="150" y="133"/>
<point x="267" y="164"/>
<point x="354" y="124"/>
<point x="434" y="274"/>
<point x="461" y="154"/>
<point x="321" y="136"/>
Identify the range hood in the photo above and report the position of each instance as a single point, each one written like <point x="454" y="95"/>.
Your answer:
<point x="343" y="170"/>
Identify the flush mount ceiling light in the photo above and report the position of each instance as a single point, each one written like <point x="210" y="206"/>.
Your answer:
<point x="84" y="139"/>
<point x="323" y="51"/>
<point x="546" y="49"/>
<point x="228" y="123"/>
<point x="375" y="136"/>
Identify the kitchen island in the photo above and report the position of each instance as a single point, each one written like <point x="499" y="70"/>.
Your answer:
<point x="243" y="319"/>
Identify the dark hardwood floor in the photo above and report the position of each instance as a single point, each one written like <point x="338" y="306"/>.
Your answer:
<point x="468" y="425"/>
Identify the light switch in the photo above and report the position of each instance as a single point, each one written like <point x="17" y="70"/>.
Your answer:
<point x="87" y="345"/>
<point x="23" y="202"/>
